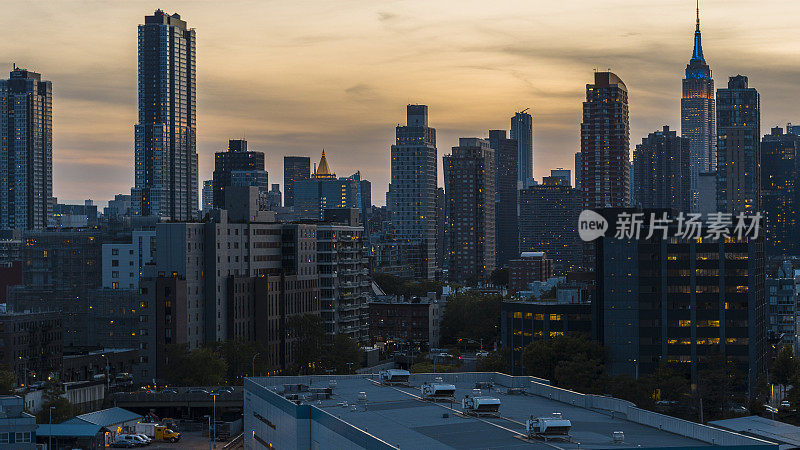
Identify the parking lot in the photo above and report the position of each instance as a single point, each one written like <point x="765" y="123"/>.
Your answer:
<point x="190" y="440"/>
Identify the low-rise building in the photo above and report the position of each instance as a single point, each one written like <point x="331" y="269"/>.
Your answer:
<point x="30" y="344"/>
<point x="414" y="320"/>
<point x="524" y="322"/>
<point x="17" y="427"/>
<point x="358" y="412"/>
<point x="529" y="267"/>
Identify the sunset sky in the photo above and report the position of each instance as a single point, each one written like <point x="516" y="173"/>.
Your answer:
<point x="295" y="77"/>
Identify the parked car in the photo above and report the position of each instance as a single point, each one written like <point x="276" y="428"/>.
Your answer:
<point x="786" y="404"/>
<point x="169" y="391"/>
<point x="224" y="390"/>
<point x="482" y="354"/>
<point x="131" y="439"/>
<point x="144" y="437"/>
<point x="197" y="391"/>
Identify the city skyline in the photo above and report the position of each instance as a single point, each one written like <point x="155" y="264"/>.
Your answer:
<point x="297" y="106"/>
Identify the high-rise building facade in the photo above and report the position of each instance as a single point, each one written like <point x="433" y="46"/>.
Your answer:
<point x="661" y="167"/>
<point x="780" y="191"/>
<point x="548" y="220"/>
<point x="237" y="167"/>
<point x="680" y="301"/>
<point x="578" y="169"/>
<point x="738" y="147"/>
<point x="208" y="196"/>
<point x="295" y="168"/>
<point x="412" y="192"/>
<point x="166" y="183"/>
<point x="506" y="231"/>
<point x="522" y="132"/>
<point x="469" y="184"/>
<point x="697" y="116"/>
<point x="605" y="143"/>
<point x="26" y="150"/>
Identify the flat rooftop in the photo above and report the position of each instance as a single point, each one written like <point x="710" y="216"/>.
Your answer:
<point x="398" y="416"/>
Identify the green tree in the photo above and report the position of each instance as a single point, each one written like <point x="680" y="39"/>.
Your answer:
<point x="239" y="354"/>
<point x="62" y="410"/>
<point x="494" y="362"/>
<point x="717" y="380"/>
<point x="784" y="368"/>
<point x="343" y="350"/>
<point x="667" y="383"/>
<point x="53" y="397"/>
<point x="581" y="373"/>
<point x="306" y="334"/>
<point x="499" y="277"/>
<point x="471" y="316"/>
<point x="7" y="381"/>
<point x="199" y="367"/>
<point x="541" y="357"/>
<point x="630" y="389"/>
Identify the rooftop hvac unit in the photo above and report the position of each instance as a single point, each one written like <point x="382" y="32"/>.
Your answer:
<point x="438" y="391"/>
<point x="618" y="437"/>
<point x="479" y="406"/>
<point x="394" y="376"/>
<point x="553" y="427"/>
<point x="362" y="397"/>
<point x="332" y="384"/>
<point x="294" y="388"/>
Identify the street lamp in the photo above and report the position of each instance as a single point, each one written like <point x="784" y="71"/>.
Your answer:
<point x="214" y="423"/>
<point x="253" y="371"/>
<point x="50" y="437"/>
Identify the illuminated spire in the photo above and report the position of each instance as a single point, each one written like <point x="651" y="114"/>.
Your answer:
<point x="698" y="47"/>
<point x="323" y="171"/>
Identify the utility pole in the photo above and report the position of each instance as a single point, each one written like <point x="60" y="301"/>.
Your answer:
<point x="214" y="413"/>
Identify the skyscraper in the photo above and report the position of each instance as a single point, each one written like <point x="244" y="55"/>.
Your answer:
<point x="208" y="196"/>
<point x="26" y="150"/>
<point x="661" y="171"/>
<point x="506" y="232"/>
<point x="469" y="185"/>
<point x="697" y="115"/>
<point x="738" y="147"/>
<point x="548" y="221"/>
<point x="605" y="143"/>
<point x="412" y="192"/>
<point x="522" y="132"/>
<point x="295" y="168"/>
<point x="166" y="183"/>
<point x="578" y="169"/>
<point x="240" y="163"/>
<point x="780" y="191"/>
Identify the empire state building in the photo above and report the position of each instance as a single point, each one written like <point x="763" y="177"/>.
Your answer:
<point x="697" y="115"/>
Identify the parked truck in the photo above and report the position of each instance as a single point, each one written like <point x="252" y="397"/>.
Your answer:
<point x="158" y="432"/>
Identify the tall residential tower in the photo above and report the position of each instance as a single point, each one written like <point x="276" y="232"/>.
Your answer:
<point x="412" y="192"/>
<point x="697" y="115"/>
<point x="166" y="155"/>
<point x="26" y="150"/>
<point x="522" y="132"/>
<point x="605" y="144"/>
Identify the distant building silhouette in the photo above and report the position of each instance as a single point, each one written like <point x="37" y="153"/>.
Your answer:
<point x="166" y="183"/>
<point x="469" y="185"/>
<point x="661" y="167"/>
<point x="412" y="191"/>
<point x="506" y="229"/>
<point x="522" y="132"/>
<point x="738" y="147"/>
<point x="26" y="150"/>
<point x="605" y="143"/>
<point x="295" y="168"/>
<point x="697" y="115"/>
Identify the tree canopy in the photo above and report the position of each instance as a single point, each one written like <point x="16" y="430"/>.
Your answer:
<point x="471" y="316"/>
<point x="199" y="367"/>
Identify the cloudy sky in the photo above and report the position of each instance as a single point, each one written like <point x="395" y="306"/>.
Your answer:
<point x="298" y="76"/>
